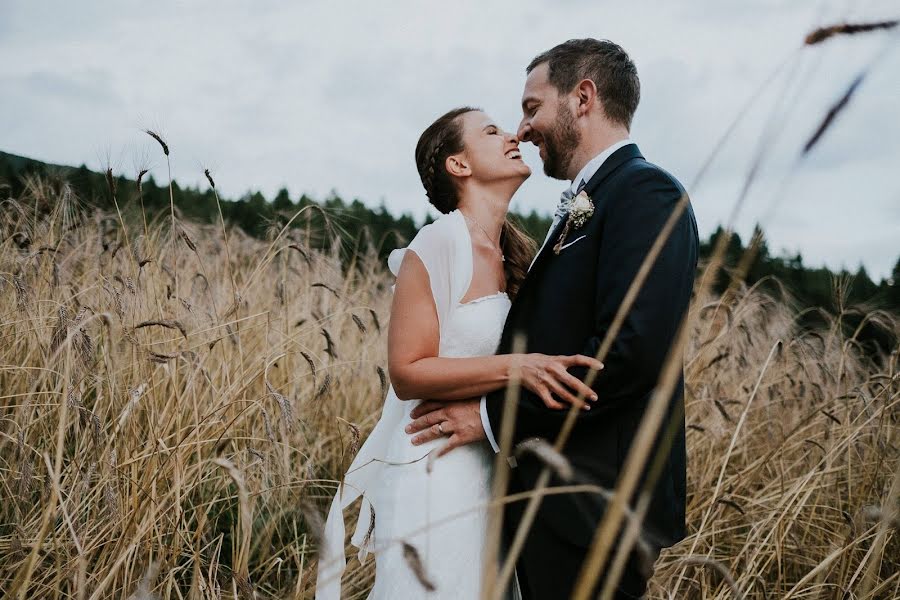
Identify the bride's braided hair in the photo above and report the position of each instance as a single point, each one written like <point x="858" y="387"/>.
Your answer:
<point x="443" y="139"/>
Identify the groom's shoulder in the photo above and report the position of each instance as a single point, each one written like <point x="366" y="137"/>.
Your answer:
<point x="641" y="184"/>
<point x="642" y="172"/>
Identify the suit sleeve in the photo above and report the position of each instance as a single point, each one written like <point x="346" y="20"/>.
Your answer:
<point x="637" y="211"/>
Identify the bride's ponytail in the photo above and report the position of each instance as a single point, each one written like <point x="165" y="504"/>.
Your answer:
<point x="519" y="249"/>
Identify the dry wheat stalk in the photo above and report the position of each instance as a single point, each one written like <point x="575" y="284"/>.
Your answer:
<point x="821" y="34"/>
<point x="414" y="562"/>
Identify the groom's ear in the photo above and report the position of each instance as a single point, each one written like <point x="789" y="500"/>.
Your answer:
<point x="458" y="166"/>
<point x="586" y="94"/>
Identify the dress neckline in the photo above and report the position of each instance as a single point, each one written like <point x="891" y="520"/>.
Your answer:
<point x="483" y="298"/>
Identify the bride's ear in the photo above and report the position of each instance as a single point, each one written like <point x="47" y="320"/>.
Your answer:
<point x="458" y="166"/>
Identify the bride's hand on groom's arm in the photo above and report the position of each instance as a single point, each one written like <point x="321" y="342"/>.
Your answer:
<point x="548" y="377"/>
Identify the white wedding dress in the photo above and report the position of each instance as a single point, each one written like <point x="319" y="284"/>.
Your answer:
<point x="441" y="513"/>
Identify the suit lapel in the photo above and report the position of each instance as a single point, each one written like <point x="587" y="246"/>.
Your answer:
<point x="554" y="233"/>
<point x="616" y="159"/>
<point x="609" y="166"/>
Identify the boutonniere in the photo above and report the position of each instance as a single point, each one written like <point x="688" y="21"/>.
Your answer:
<point x="581" y="208"/>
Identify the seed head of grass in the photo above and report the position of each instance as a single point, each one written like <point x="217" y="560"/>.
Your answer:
<point x="414" y="562"/>
<point x="160" y="141"/>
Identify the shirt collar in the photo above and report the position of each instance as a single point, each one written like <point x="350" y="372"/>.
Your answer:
<point x="588" y="170"/>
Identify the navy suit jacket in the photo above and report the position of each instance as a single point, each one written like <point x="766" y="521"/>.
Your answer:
<point x="567" y="304"/>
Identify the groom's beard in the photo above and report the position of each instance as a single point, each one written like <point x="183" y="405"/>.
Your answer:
<point x="560" y="143"/>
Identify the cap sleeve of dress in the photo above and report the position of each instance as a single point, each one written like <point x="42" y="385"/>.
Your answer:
<point x="444" y="248"/>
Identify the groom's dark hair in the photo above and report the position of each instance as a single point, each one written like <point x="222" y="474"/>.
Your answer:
<point x="603" y="62"/>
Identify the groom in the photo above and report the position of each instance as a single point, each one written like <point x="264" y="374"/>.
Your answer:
<point x="578" y="103"/>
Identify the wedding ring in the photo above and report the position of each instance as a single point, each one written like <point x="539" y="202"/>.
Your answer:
<point x="441" y="427"/>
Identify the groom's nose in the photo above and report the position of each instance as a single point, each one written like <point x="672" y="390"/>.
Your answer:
<point x="524" y="132"/>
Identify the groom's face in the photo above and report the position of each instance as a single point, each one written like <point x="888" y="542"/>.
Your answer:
<point x="548" y="123"/>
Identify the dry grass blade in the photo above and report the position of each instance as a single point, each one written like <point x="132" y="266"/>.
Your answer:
<point x="367" y="540"/>
<point x="61" y="330"/>
<point x="718" y="567"/>
<point x="500" y="483"/>
<point x="245" y="525"/>
<point x="325" y="286"/>
<point x="382" y="380"/>
<point x="235" y="306"/>
<point x="721" y="407"/>
<point x="324" y="388"/>
<point x="329" y="344"/>
<point x="414" y="562"/>
<point x="110" y="182"/>
<point x="821" y="34"/>
<point x="187" y="239"/>
<point x="731" y="504"/>
<point x="84" y="347"/>
<point x="21" y="292"/>
<point x="359" y="324"/>
<point x="134" y="396"/>
<point x="160" y="357"/>
<point x="310" y="362"/>
<point x="167" y="323"/>
<point x="158" y="138"/>
<point x="830" y="416"/>
<point x="284" y="403"/>
<point x="302" y="252"/>
<point x="267" y="424"/>
<point x="375" y="320"/>
<point x="546" y="454"/>
<point x="833" y="112"/>
<point x="354" y="436"/>
<point x="26" y="470"/>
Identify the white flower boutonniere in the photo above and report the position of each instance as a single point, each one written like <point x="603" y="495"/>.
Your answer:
<point x="581" y="208"/>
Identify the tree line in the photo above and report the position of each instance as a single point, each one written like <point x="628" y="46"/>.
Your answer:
<point x="352" y="224"/>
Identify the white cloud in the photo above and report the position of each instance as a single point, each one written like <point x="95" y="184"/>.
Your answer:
<point x="333" y="95"/>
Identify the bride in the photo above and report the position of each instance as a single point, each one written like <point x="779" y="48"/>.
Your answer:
<point x="455" y="284"/>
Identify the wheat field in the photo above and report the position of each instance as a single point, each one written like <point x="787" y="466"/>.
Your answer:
<point x="179" y="402"/>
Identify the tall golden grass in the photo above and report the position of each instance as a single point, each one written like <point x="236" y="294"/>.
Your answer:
<point x="192" y="437"/>
<point x="185" y="445"/>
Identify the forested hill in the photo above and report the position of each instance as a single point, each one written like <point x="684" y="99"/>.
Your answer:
<point x="255" y="214"/>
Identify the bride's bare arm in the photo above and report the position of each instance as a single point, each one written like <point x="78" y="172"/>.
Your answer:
<point x="418" y="372"/>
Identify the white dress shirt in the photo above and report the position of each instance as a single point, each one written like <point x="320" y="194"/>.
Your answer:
<point x="587" y="171"/>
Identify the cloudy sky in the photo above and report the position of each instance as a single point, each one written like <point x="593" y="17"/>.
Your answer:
<point x="322" y="96"/>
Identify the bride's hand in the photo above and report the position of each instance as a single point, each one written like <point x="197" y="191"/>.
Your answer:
<point x="547" y="376"/>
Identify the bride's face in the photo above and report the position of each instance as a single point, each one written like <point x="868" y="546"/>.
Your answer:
<point x="490" y="153"/>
